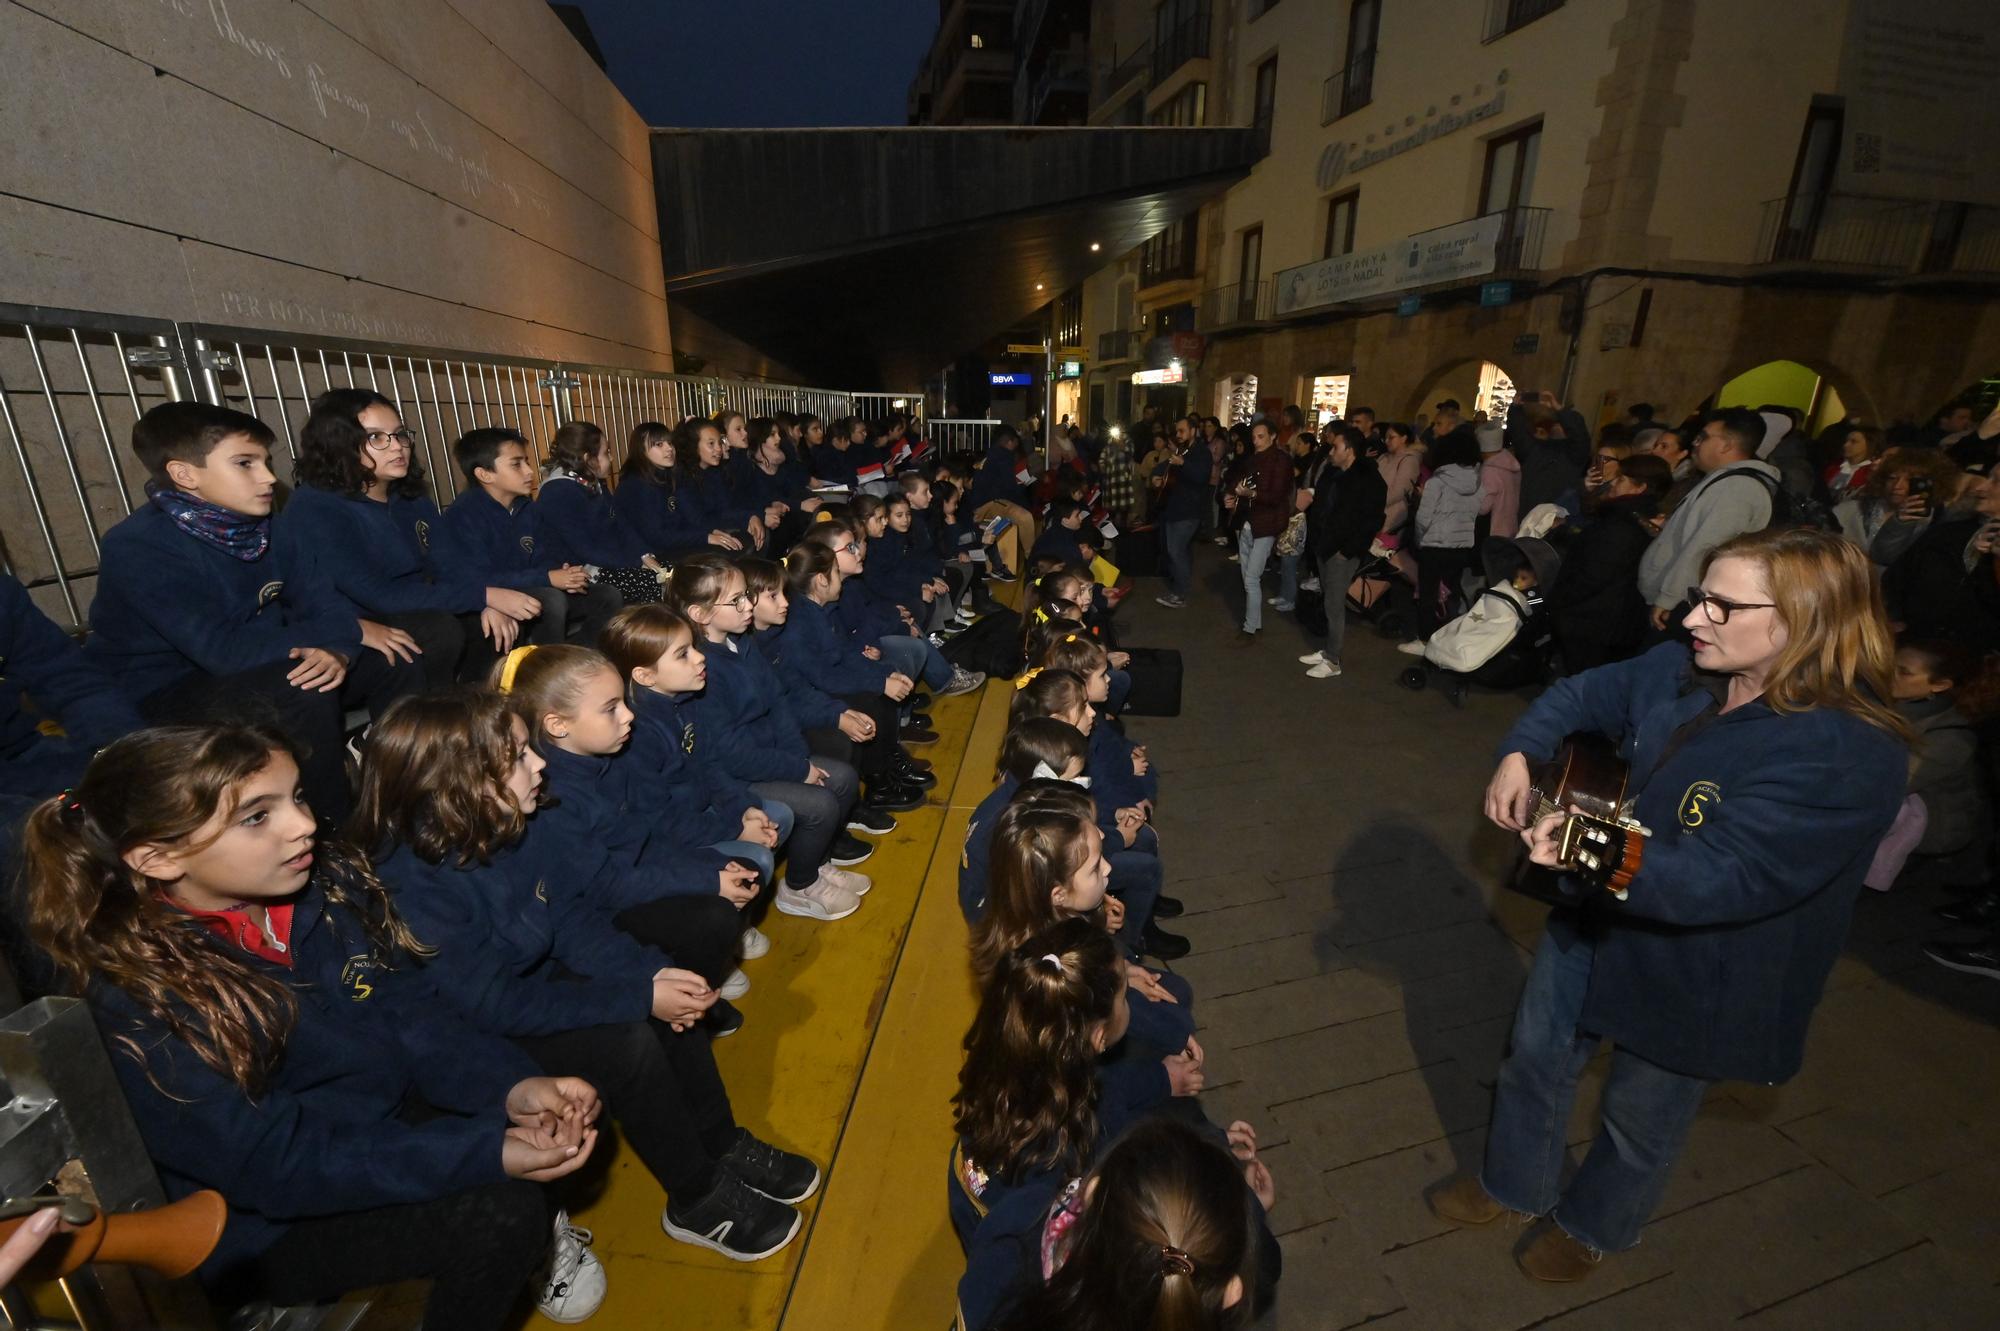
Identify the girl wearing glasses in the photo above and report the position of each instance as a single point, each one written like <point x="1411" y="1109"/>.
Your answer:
<point x="363" y="515"/>
<point x="1768" y="761"/>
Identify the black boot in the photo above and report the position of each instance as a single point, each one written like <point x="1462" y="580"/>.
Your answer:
<point x="1157" y="942"/>
<point x="1167" y="908"/>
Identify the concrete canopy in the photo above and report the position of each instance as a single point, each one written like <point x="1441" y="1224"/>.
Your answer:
<point x="876" y="256"/>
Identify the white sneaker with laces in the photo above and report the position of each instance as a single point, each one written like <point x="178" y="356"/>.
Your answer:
<point x="735" y="985"/>
<point x="845" y="879"/>
<point x="573" y="1282"/>
<point x="1309" y="584"/>
<point x="1325" y="670"/>
<point x="1312" y="658"/>
<point x="755" y="942"/>
<point x="1170" y="601"/>
<point x="962" y="681"/>
<point x="1410" y="648"/>
<point x="824" y="900"/>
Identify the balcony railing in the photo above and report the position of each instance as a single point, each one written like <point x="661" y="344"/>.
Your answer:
<point x="1966" y="239"/>
<point x="1061" y="72"/>
<point x="1236" y="304"/>
<point x="1505" y="16"/>
<point x="1844" y="231"/>
<point x="1519" y="249"/>
<point x="1188" y="41"/>
<point x="1108" y="80"/>
<point x="1349" y="89"/>
<point x="1117" y="344"/>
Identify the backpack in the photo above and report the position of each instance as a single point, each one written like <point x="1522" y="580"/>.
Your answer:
<point x="1789" y="510"/>
<point x="992" y="646"/>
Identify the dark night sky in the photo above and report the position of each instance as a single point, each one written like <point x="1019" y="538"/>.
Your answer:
<point x="709" y="63"/>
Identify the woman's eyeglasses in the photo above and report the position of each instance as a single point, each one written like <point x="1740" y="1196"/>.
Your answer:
<point x="1718" y="609"/>
<point x="383" y="441"/>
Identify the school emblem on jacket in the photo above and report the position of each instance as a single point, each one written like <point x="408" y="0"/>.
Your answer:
<point x="527" y="545"/>
<point x="1699" y="801"/>
<point x="269" y="592"/>
<point x="354" y="976"/>
<point x="687" y="738"/>
<point x="423" y="535"/>
<point x="542" y="890"/>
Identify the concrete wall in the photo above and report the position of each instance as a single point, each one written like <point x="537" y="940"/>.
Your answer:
<point x="424" y="171"/>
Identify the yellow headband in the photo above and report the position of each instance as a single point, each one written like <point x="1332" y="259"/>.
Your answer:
<point x="1026" y="675"/>
<point x="513" y="666"/>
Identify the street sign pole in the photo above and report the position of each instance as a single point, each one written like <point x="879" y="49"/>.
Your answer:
<point x="1049" y="392"/>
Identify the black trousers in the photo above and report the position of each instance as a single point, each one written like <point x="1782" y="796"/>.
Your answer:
<point x="818" y="815"/>
<point x="660" y="1085"/>
<point x="313" y="721"/>
<point x="701" y="933"/>
<point x="479" y="1247"/>
<point x="1438" y="571"/>
<point x="872" y="758"/>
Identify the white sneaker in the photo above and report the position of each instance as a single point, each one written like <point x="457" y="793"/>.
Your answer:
<point x="1410" y="648"/>
<point x="1312" y="658"/>
<point x="735" y="985"/>
<point x="1308" y="584"/>
<point x="573" y="1282"/>
<point x="1170" y="601"/>
<point x="962" y="681"/>
<point x="1325" y="670"/>
<point x="845" y="879"/>
<point x="824" y="900"/>
<point x="1270" y="600"/>
<point x="755" y="942"/>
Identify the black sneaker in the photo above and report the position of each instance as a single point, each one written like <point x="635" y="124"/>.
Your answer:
<point x="734" y="1219"/>
<point x="918" y="736"/>
<point x="849" y="849"/>
<point x="1157" y="942"/>
<point x="864" y="819"/>
<point x="1982" y="909"/>
<point x="779" y="1175"/>
<point x="722" y="1020"/>
<point x="1168" y="908"/>
<point x="1981" y="958"/>
<point x="892" y="797"/>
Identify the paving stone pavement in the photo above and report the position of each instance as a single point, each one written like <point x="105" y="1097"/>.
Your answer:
<point x="1356" y="961"/>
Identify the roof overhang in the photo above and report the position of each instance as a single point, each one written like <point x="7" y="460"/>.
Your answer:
<point x="876" y="256"/>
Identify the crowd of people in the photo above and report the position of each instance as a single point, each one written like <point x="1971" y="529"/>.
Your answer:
<point x="395" y="847"/>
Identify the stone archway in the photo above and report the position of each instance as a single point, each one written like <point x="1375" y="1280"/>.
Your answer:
<point x="1477" y="384"/>
<point x="1821" y="393"/>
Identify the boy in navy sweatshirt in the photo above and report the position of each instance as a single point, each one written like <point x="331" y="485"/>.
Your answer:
<point x="1064" y="540"/>
<point x="492" y="532"/>
<point x="199" y="620"/>
<point x="44" y="677"/>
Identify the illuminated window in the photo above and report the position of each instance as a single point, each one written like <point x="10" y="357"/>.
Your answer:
<point x="978" y="42"/>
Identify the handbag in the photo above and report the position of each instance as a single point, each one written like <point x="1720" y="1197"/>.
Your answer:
<point x="1292" y="539"/>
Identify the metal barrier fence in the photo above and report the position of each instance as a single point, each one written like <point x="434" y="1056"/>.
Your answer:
<point x="73" y="382"/>
<point x="962" y="436"/>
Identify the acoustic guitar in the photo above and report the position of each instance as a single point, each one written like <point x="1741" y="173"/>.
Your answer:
<point x="1586" y="783"/>
<point x="173" y="1239"/>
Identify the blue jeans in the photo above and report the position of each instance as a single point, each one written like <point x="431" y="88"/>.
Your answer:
<point x="1288" y="579"/>
<point x="753" y="852"/>
<point x="1136" y="879"/>
<point x="1647" y="1111"/>
<point x="1255" y="552"/>
<point x="916" y="658"/>
<point x="1176" y="549"/>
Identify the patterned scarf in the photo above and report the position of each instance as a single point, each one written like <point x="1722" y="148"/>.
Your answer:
<point x="228" y="531"/>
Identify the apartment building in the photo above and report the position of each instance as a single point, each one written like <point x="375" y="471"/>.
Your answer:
<point x="1670" y="201"/>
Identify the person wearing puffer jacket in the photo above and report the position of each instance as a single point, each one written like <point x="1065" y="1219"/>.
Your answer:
<point x="1499" y="480"/>
<point x="1447" y="521"/>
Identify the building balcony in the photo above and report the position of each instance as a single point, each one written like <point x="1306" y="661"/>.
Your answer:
<point x="1505" y="16"/>
<point x="1235" y="305"/>
<point x="1053" y="91"/>
<point x="1965" y="240"/>
<point x="1117" y="344"/>
<point x="1187" y="41"/>
<point x="1349" y="89"/>
<point x="1844" y="231"/>
<point x="1109" y="82"/>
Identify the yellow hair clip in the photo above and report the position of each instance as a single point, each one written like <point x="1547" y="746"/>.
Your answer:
<point x="513" y="666"/>
<point x="1041" y="615"/>
<point x="1069" y="637"/>
<point x="1026" y="675"/>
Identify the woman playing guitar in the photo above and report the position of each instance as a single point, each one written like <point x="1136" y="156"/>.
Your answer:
<point x="1764" y="766"/>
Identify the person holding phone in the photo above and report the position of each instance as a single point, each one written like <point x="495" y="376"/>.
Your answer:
<point x="1901" y="498"/>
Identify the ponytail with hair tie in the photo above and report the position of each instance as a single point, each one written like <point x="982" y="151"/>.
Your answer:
<point x="1174" y="1262"/>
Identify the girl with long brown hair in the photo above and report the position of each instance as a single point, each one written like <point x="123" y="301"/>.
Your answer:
<point x="579" y="521"/>
<point x="448" y="795"/>
<point x="1766" y="762"/>
<point x="259" y="997"/>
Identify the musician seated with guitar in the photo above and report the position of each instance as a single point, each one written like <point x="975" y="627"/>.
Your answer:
<point x="1703" y="908"/>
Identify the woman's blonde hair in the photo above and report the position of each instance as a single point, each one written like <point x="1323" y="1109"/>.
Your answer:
<point x="1840" y="654"/>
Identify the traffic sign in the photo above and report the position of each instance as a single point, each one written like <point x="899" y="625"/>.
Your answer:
<point x="1027" y="349"/>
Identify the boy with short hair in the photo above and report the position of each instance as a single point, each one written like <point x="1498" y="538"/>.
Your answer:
<point x="492" y="531"/>
<point x="199" y="621"/>
<point x="1064" y="540"/>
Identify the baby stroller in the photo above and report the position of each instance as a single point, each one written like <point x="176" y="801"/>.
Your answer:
<point x="1371" y="594"/>
<point x="1506" y="638"/>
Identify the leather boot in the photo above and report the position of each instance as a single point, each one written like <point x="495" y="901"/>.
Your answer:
<point x="1550" y="1254"/>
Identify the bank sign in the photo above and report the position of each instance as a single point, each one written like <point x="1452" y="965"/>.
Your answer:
<point x="1443" y="254"/>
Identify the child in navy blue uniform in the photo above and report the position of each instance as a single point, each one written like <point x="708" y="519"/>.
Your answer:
<point x="448" y="801"/>
<point x="748" y="732"/>
<point x="877" y="625"/>
<point x="704" y="473"/>
<point x="265" y="1016"/>
<point x="1038" y="752"/>
<point x="777" y="485"/>
<point x="1065" y="540"/>
<point x="1120" y="770"/>
<point x="199" y="619"/>
<point x="853" y="736"/>
<point x="685" y="900"/>
<point x="493" y="532"/>
<point x="1036" y="1100"/>
<point x="361" y="519"/>
<point x="813" y="650"/>
<point x="581" y="525"/>
<point x="48" y="678"/>
<point x="649" y="500"/>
